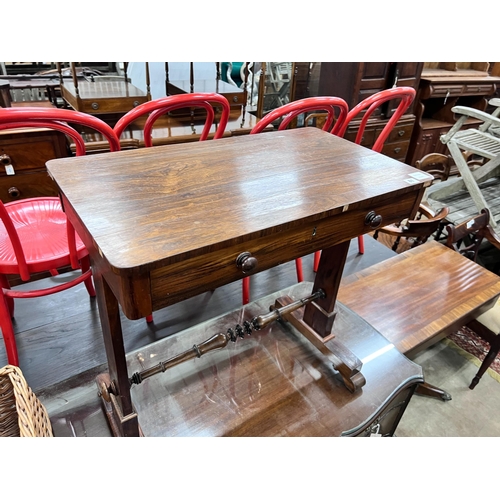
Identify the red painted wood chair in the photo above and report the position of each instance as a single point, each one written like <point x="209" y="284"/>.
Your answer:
<point x="164" y="105"/>
<point x="336" y="109"/>
<point x="405" y="95"/>
<point x="35" y="235"/>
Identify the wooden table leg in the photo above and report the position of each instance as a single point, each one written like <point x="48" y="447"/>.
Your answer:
<point x="115" y="389"/>
<point x="316" y="321"/>
<point x="432" y="391"/>
<point x="319" y="315"/>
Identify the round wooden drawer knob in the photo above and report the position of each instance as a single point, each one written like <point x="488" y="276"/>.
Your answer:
<point x="246" y="262"/>
<point x="373" y="220"/>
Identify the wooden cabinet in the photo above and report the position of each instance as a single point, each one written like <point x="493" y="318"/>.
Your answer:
<point x="354" y="82"/>
<point x="439" y="91"/>
<point x="23" y="154"/>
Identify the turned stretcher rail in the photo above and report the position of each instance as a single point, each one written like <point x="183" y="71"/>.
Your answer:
<point x="220" y="340"/>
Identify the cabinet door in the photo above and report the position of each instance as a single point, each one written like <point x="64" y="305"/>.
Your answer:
<point x="373" y="77"/>
<point x="404" y="74"/>
<point x="352" y="81"/>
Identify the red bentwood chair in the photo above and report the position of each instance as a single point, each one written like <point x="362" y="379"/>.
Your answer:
<point x="289" y="112"/>
<point x="405" y="95"/>
<point x="164" y="105"/>
<point x="35" y="235"/>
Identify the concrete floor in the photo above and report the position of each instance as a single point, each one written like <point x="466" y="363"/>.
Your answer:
<point x="470" y="413"/>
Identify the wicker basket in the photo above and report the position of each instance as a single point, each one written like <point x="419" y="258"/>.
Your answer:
<point x="21" y="412"/>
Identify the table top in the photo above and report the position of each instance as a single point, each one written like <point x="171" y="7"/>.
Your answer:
<point x="103" y="89"/>
<point x="428" y="292"/>
<point x="163" y="204"/>
<point x="156" y="206"/>
<point x="218" y="86"/>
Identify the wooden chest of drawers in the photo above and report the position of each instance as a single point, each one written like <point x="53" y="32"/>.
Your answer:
<point x="23" y="154"/>
<point x="396" y="145"/>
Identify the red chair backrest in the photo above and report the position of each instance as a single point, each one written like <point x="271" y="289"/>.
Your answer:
<point x="56" y="119"/>
<point x="293" y="109"/>
<point x="164" y="105"/>
<point x="370" y="104"/>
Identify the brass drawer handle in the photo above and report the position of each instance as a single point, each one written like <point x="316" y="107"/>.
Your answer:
<point x="401" y="133"/>
<point x="373" y="220"/>
<point x="397" y="150"/>
<point x="246" y="262"/>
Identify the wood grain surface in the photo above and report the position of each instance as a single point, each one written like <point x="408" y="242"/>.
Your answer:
<point x="420" y="296"/>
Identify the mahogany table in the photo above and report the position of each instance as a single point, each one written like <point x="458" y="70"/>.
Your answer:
<point x="163" y="224"/>
<point x="102" y="97"/>
<point x="429" y="292"/>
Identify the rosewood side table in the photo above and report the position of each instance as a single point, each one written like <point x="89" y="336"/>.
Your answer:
<point x="163" y="224"/>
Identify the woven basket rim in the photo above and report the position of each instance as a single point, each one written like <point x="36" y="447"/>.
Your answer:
<point x="32" y="417"/>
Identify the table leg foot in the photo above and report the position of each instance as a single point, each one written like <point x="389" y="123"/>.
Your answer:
<point x="343" y="359"/>
<point x="432" y="391"/>
<point x="120" y="425"/>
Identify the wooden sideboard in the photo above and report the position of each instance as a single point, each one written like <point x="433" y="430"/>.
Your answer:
<point x="438" y="93"/>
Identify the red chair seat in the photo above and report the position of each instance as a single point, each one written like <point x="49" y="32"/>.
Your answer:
<point x="35" y="235"/>
<point x="47" y="246"/>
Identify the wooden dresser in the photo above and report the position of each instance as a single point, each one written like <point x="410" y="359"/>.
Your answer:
<point x="355" y="81"/>
<point x="438" y="93"/>
<point x="23" y="154"/>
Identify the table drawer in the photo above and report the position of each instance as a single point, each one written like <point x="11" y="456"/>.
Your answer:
<point x="476" y="89"/>
<point x="180" y="280"/>
<point x="447" y="90"/>
<point x="27" y="185"/>
<point x="402" y="133"/>
<point x="30" y="149"/>
<point x="396" y="150"/>
<point x="368" y="137"/>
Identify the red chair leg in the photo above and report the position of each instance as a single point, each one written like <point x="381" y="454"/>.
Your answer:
<point x="149" y="318"/>
<point x="4" y="283"/>
<point x="246" y="290"/>
<point x="85" y="263"/>
<point x="298" y="267"/>
<point x="361" y="244"/>
<point x="8" y="332"/>
<point x="317" y="256"/>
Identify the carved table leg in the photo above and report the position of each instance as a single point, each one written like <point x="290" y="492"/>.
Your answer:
<point x="432" y="391"/>
<point x="115" y="388"/>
